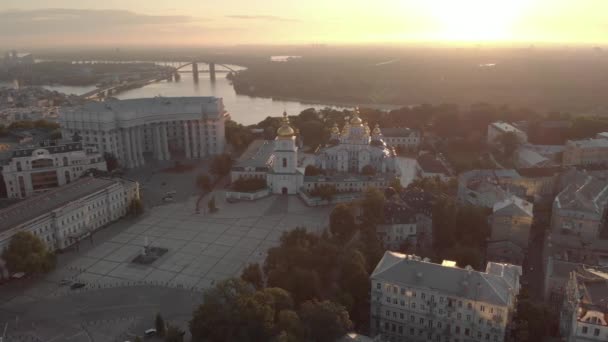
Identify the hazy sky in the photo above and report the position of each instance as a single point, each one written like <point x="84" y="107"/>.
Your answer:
<point x="192" y="22"/>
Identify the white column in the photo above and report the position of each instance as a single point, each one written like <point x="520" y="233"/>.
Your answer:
<point x="202" y="136"/>
<point x="165" y="144"/>
<point x="158" y="151"/>
<point x="134" y="146"/>
<point x="187" y="140"/>
<point x="140" y="140"/>
<point x="127" y="147"/>
<point x="195" y="139"/>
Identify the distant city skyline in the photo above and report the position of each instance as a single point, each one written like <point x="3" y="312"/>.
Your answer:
<point x="44" y="23"/>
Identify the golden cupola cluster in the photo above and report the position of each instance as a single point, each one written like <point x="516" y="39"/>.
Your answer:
<point x="285" y="131"/>
<point x="356" y="120"/>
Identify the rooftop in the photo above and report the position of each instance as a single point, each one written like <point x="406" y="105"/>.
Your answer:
<point x="257" y="154"/>
<point x="584" y="193"/>
<point x="589" y="143"/>
<point x="513" y="205"/>
<point x="505" y="127"/>
<point x="46" y="202"/>
<point x="497" y="285"/>
<point x="110" y="110"/>
<point x="429" y="163"/>
<point x="593" y="288"/>
<point x="398" y="132"/>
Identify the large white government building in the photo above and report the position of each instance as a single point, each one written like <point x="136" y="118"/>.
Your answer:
<point x="62" y="216"/>
<point x="415" y="300"/>
<point x="32" y="169"/>
<point x="157" y="128"/>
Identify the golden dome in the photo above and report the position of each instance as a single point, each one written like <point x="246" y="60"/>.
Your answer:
<point x="335" y="129"/>
<point x="376" y="130"/>
<point x="356" y="120"/>
<point x="285" y="130"/>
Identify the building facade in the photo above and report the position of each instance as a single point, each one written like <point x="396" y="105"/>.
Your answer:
<point x="355" y="159"/>
<point x="511" y="222"/>
<point x="402" y="138"/>
<point x="415" y="300"/>
<point x="584" y="314"/>
<point x="34" y="169"/>
<point x="408" y="220"/>
<point x="497" y="129"/>
<point x="65" y="215"/>
<point x="152" y="128"/>
<point x="578" y="210"/>
<point x="585" y="152"/>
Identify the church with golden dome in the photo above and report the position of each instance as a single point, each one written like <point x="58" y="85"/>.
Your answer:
<point x="355" y="158"/>
<point x="354" y="148"/>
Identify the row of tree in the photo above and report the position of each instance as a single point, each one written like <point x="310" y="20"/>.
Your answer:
<point x="311" y="287"/>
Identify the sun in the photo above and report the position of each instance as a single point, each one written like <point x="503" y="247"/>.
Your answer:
<point x="476" y="20"/>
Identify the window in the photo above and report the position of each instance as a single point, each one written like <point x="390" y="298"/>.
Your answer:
<point x="378" y="286"/>
<point x="596" y="332"/>
<point x="284" y="162"/>
<point x="482" y="308"/>
<point x="585" y="330"/>
<point x="467" y="331"/>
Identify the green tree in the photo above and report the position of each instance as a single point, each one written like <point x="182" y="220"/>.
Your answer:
<point x="203" y="182"/>
<point x="342" y="221"/>
<point x="221" y="165"/>
<point x="368" y="170"/>
<point x="249" y="184"/>
<point x="373" y="206"/>
<point x="324" y="321"/>
<point x="253" y="275"/>
<point x="136" y="207"/>
<point x="111" y="161"/>
<point x="324" y="191"/>
<point x="174" y="334"/>
<point x="27" y="253"/>
<point x="137" y="339"/>
<point x="312" y="170"/>
<point x="233" y="311"/>
<point x="159" y="324"/>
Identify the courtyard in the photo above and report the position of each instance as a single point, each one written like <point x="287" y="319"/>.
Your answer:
<point x="120" y="297"/>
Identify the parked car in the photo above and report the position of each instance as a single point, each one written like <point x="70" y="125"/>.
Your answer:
<point x="76" y="286"/>
<point x="150" y="332"/>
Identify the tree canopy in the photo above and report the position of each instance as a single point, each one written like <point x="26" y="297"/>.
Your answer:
<point x="221" y="165"/>
<point x="27" y="253"/>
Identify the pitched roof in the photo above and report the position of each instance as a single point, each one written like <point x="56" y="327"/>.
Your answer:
<point x="584" y="193"/>
<point x="496" y="286"/>
<point x="513" y="206"/>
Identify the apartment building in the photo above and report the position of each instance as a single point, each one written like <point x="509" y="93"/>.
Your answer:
<point x="413" y="299"/>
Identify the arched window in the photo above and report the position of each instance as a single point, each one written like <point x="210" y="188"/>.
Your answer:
<point x="284" y="162"/>
<point x="65" y="161"/>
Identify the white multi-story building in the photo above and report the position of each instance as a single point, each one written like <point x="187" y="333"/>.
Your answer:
<point x="402" y="137"/>
<point x="585" y="152"/>
<point x="34" y="169"/>
<point x="584" y="314"/>
<point x="67" y="214"/>
<point x="497" y="129"/>
<point x="157" y="128"/>
<point x="415" y="300"/>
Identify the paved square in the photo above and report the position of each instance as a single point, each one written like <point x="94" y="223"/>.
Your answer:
<point x="202" y="248"/>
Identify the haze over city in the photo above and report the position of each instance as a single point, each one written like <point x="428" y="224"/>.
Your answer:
<point x="39" y="23"/>
<point x="304" y="171"/>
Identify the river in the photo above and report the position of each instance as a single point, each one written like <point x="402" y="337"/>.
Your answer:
<point x="243" y="109"/>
